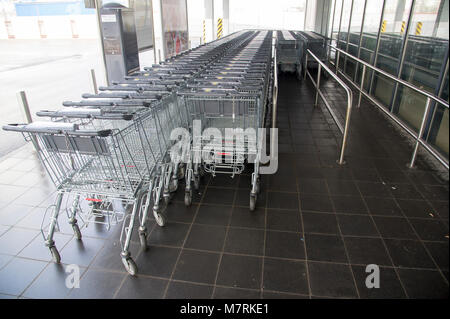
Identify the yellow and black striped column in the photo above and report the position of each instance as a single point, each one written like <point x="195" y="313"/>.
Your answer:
<point x="204" y="31"/>
<point x="402" y="30"/>
<point x="383" y="26"/>
<point x="219" y="28"/>
<point x="419" y="28"/>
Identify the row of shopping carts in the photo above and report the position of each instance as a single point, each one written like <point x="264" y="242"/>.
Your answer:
<point x="291" y="50"/>
<point x="113" y="149"/>
<point x="228" y="101"/>
<point x="287" y="51"/>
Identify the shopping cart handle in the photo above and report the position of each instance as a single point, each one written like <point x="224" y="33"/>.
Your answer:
<point x="70" y="129"/>
<point x="71" y="112"/>
<point x="88" y="103"/>
<point x="41" y="127"/>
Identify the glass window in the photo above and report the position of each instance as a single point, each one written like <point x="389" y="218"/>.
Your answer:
<point x="369" y="37"/>
<point x="354" y="36"/>
<point x="343" y="32"/>
<point x="438" y="134"/>
<point x="370" y="30"/>
<point x="330" y="26"/>
<point x="424" y="58"/>
<point x="390" y="48"/>
<point x="336" y="23"/>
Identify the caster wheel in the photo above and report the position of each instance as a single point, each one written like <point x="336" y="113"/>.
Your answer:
<point x="258" y="186"/>
<point x="166" y="199"/>
<point x="181" y="172"/>
<point x="55" y="254"/>
<point x="76" y="231"/>
<point x="201" y="171"/>
<point x="160" y="219"/>
<point x="196" y="182"/>
<point x="130" y="265"/>
<point x="252" y="202"/>
<point x="188" y="198"/>
<point x="173" y="186"/>
<point x="143" y="240"/>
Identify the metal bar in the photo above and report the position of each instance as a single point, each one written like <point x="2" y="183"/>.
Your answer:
<point x="377" y="47"/>
<point x="22" y="98"/>
<point x="345" y="130"/>
<point x="337" y="60"/>
<point x="275" y="89"/>
<point x="424" y="144"/>
<point x="153" y="33"/>
<point x="333" y="114"/>
<point x="422" y="128"/>
<point x="332" y="27"/>
<point x="306" y="13"/>
<point x="361" y="38"/>
<point x="94" y="81"/>
<point x="319" y="71"/>
<point x="390" y="76"/>
<point x="306" y="66"/>
<point x="402" y="59"/>
<point x="362" y="85"/>
<point x="348" y="33"/>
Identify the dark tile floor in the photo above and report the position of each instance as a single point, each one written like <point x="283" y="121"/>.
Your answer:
<point x="316" y="227"/>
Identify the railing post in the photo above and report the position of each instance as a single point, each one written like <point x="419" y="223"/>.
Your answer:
<point x="306" y="65"/>
<point x="337" y="61"/>
<point x="319" y="71"/>
<point x="346" y="127"/>
<point x="94" y="81"/>
<point x="361" y="88"/>
<point x="23" y="101"/>
<point x="422" y="128"/>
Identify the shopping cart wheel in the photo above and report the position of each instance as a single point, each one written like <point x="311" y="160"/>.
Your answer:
<point x="55" y="254"/>
<point x="258" y="186"/>
<point x="143" y="240"/>
<point x="173" y="185"/>
<point x="160" y="218"/>
<point x="181" y="172"/>
<point x="76" y="231"/>
<point x="196" y="182"/>
<point x="130" y="265"/>
<point x="188" y="198"/>
<point x="201" y="171"/>
<point x="252" y="202"/>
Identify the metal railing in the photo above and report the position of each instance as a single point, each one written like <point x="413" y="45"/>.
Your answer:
<point x="426" y="115"/>
<point x="274" y="96"/>
<point x="275" y="87"/>
<point x="343" y="128"/>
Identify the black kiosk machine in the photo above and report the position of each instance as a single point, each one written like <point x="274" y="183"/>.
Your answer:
<point x="119" y="41"/>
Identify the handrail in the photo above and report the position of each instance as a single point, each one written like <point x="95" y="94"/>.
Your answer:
<point x="275" y="83"/>
<point x="344" y="130"/>
<point x="430" y="97"/>
<point x="392" y="77"/>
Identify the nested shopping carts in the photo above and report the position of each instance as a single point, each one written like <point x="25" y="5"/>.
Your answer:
<point x="109" y="159"/>
<point x="226" y="104"/>
<point x="313" y="41"/>
<point x="113" y="149"/>
<point x="287" y="51"/>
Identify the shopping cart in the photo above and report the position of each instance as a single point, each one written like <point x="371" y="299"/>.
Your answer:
<point x="287" y="52"/>
<point x="116" y="169"/>
<point x="229" y="97"/>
